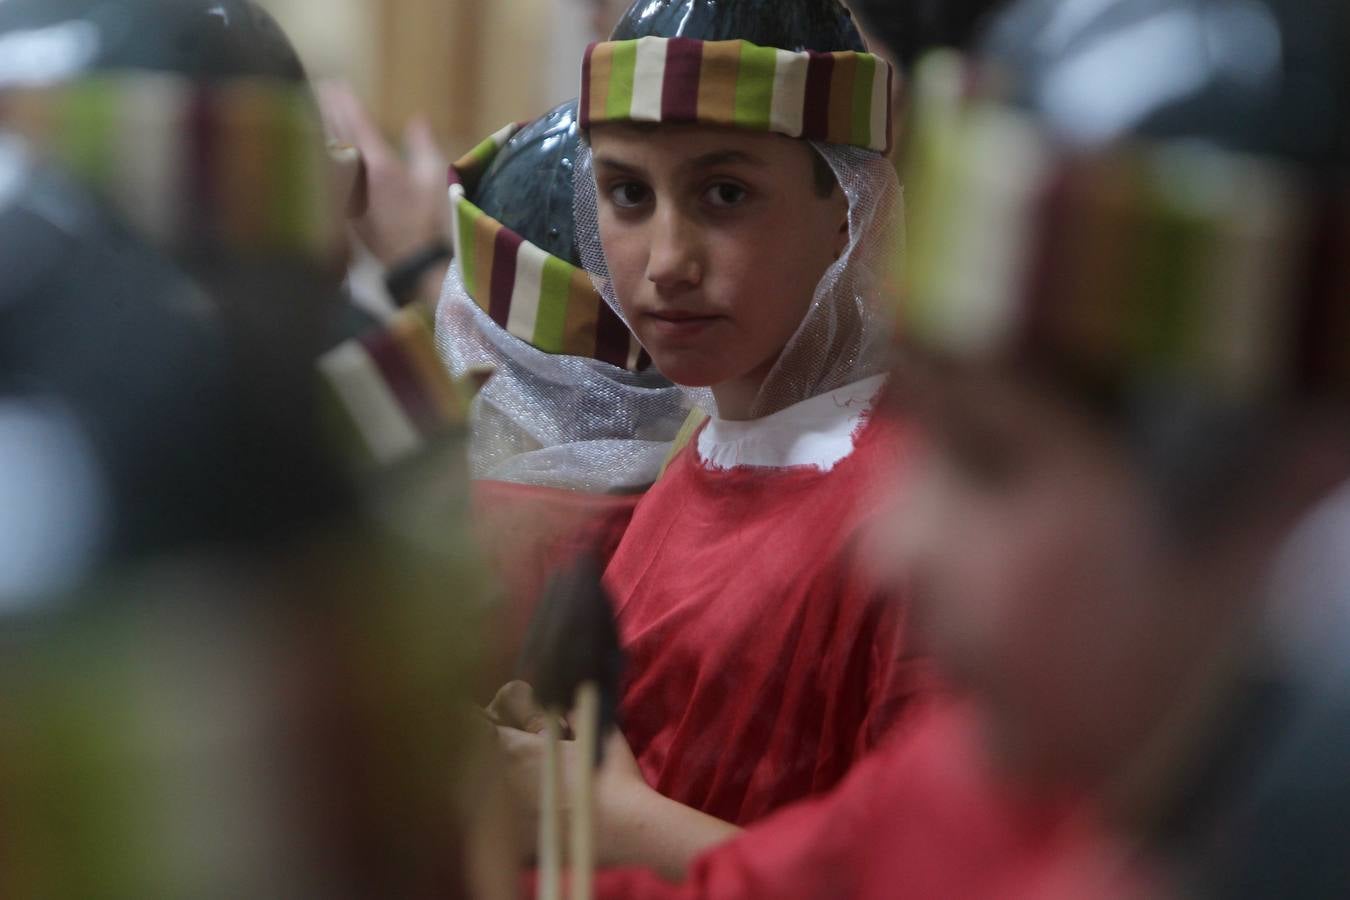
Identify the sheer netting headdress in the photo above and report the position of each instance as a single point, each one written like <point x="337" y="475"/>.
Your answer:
<point x="798" y="69"/>
<point x="573" y="401"/>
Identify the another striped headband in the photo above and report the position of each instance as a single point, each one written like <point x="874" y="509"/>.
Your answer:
<point x="242" y="165"/>
<point x="539" y="298"/>
<point x="1148" y="262"/>
<point x="838" y="98"/>
<point x="388" y="392"/>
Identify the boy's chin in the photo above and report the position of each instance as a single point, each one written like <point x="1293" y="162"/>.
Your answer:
<point x="688" y="373"/>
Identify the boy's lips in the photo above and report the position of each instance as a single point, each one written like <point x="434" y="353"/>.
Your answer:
<point x="679" y="324"/>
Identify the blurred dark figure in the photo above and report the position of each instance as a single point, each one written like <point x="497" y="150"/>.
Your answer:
<point x="134" y="101"/>
<point x="229" y="667"/>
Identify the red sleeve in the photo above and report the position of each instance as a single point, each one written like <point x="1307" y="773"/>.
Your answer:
<point x="919" y="818"/>
<point x="809" y="851"/>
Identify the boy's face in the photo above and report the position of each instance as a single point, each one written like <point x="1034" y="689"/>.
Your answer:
<point x="1040" y="578"/>
<point x="716" y="240"/>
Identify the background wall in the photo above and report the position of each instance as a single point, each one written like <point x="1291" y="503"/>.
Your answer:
<point x="469" y="65"/>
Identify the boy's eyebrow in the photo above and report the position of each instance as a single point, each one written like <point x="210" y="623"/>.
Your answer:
<point x="721" y="158"/>
<point x="606" y="162"/>
<point x="706" y="161"/>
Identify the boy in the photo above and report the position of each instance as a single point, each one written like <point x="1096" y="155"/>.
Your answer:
<point x="1118" y="435"/>
<point x="731" y="207"/>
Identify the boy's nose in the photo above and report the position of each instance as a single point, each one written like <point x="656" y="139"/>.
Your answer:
<point x="674" y="258"/>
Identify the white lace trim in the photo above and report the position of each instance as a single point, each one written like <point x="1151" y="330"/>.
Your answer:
<point x="818" y="432"/>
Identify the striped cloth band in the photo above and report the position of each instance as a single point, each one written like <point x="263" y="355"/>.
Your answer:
<point x="241" y="166"/>
<point x="388" y="393"/>
<point x="539" y="298"/>
<point x="469" y="169"/>
<point x="838" y="98"/>
<point x="1138" y="263"/>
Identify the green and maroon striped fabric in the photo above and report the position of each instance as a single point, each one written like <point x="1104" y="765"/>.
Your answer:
<point x="539" y="298"/>
<point x="838" y="98"/>
<point x="241" y="165"/>
<point x="469" y="169"/>
<point x="388" y="393"/>
<point x="1146" y="262"/>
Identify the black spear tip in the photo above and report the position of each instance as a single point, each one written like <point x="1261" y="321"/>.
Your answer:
<point x="572" y="640"/>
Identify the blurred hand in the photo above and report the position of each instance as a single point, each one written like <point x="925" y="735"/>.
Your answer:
<point x="520" y="725"/>
<point x="635" y="826"/>
<point x="515" y="706"/>
<point x="406" y="205"/>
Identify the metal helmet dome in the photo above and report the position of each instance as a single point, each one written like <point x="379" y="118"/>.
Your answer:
<point x="1265" y="77"/>
<point x="528" y="186"/>
<point x="44" y="41"/>
<point x="797" y="25"/>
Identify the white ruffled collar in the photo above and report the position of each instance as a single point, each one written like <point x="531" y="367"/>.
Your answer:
<point x="817" y="432"/>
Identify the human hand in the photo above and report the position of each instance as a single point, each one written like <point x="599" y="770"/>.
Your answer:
<point x="406" y="206"/>
<point x="523" y="745"/>
<point x="515" y="706"/>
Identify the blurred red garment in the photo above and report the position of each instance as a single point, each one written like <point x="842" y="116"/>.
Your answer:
<point x="528" y="533"/>
<point x="921" y="817"/>
<point x="762" y="660"/>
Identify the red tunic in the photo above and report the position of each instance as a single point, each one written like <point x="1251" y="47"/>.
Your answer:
<point x="922" y="818"/>
<point x="762" y="661"/>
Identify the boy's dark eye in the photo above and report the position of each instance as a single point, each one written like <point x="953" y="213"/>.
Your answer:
<point x="725" y="194"/>
<point x="628" y="194"/>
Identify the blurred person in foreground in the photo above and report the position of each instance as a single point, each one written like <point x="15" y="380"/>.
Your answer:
<point x="228" y="670"/>
<point x="1134" y="417"/>
<point x="1124" y="337"/>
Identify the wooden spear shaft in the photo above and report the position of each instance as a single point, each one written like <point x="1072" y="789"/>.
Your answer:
<point x="550" y="815"/>
<point x="586" y="725"/>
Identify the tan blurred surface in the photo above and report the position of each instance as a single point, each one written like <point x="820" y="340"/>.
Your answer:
<point x="469" y="65"/>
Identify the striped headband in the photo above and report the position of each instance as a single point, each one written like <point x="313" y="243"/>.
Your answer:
<point x="241" y="165"/>
<point x="838" y="98"/>
<point x="1142" y="262"/>
<point x="388" y="392"/>
<point x="535" y="296"/>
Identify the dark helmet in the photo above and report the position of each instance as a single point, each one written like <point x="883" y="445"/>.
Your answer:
<point x="528" y="185"/>
<point x="174" y="307"/>
<point x="1266" y="77"/>
<point x="1203" y="135"/>
<point x="797" y="25"/>
<point x="910" y="29"/>
<point x="190" y="124"/>
<point x="57" y="40"/>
